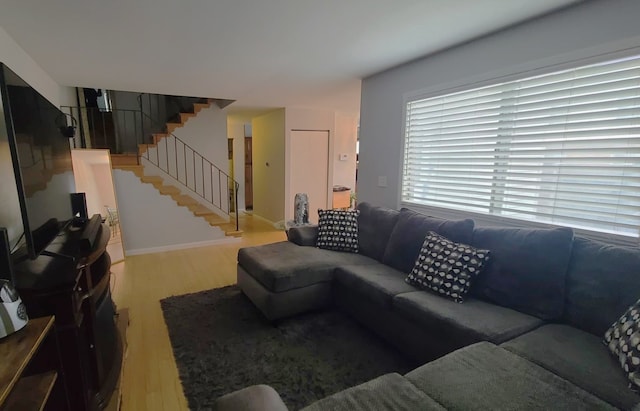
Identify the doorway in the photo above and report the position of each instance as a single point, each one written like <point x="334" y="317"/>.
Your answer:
<point x="248" y="173"/>
<point x="310" y="169"/>
<point x="93" y="176"/>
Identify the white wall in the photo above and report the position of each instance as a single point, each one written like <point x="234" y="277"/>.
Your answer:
<point x="24" y="66"/>
<point x="346" y="133"/>
<point x="153" y="222"/>
<point x="586" y="30"/>
<point x="207" y="133"/>
<point x="269" y="165"/>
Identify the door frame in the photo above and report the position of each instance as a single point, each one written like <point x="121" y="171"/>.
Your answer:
<point x="288" y="172"/>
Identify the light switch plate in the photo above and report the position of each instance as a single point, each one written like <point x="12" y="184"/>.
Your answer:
<point x="382" y="181"/>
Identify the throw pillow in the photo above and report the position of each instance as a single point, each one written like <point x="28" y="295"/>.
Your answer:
<point x="338" y="230"/>
<point x="623" y="340"/>
<point x="445" y="267"/>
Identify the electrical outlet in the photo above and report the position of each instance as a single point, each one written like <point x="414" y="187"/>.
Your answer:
<point x="382" y="181"/>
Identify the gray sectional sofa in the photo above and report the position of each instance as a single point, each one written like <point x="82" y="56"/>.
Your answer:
<point x="529" y="335"/>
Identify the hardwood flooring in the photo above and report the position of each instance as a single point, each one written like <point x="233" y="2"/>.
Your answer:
<point x="150" y="377"/>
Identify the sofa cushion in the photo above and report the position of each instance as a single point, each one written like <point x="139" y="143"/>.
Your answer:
<point x="527" y="269"/>
<point x="284" y="266"/>
<point x="487" y="377"/>
<point x="602" y="282"/>
<point x="463" y="324"/>
<point x="578" y="357"/>
<point x="623" y="341"/>
<point x="374" y="229"/>
<point x="387" y="392"/>
<point x="409" y="232"/>
<point x="338" y="230"/>
<point x="303" y="235"/>
<point x="379" y="282"/>
<point x="446" y="268"/>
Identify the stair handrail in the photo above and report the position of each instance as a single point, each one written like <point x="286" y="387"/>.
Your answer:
<point x="145" y="136"/>
<point x="203" y="159"/>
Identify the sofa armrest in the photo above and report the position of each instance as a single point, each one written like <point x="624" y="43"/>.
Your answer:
<point x="305" y="236"/>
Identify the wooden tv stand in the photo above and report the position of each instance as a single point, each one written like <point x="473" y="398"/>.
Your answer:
<point x="73" y="285"/>
<point x="30" y="368"/>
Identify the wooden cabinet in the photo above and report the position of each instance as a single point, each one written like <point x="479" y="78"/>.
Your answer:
<point x="74" y="286"/>
<point x="30" y="370"/>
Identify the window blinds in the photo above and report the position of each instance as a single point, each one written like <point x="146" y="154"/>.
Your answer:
<point x="560" y="148"/>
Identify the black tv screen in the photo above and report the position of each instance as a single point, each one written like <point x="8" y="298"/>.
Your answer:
<point x="41" y="160"/>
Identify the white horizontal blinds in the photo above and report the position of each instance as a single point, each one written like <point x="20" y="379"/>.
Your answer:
<point x="561" y="148"/>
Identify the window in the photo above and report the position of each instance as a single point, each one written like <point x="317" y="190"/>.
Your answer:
<point x="560" y="148"/>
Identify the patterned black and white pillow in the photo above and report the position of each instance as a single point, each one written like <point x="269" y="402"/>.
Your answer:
<point x="623" y="340"/>
<point x="446" y="268"/>
<point x="338" y="230"/>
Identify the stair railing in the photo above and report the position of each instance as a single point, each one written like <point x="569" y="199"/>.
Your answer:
<point x="119" y="130"/>
<point x="184" y="164"/>
<point x="132" y="131"/>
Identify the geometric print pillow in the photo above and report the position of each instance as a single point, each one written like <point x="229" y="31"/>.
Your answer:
<point x="446" y="268"/>
<point x="623" y="340"/>
<point x="338" y="230"/>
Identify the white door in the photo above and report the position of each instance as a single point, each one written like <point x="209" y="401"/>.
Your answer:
<point x="310" y="169"/>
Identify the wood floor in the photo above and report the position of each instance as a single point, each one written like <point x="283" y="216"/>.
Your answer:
<point x="150" y="379"/>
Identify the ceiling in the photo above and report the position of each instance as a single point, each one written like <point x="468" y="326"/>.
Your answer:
<point x="260" y="53"/>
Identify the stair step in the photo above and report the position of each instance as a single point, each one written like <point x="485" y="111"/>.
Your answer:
<point x="142" y="148"/>
<point x="152" y="179"/>
<point x="233" y="233"/>
<point x="200" y="106"/>
<point x="171" y="127"/>
<point x="186" y="116"/>
<point x="185" y="200"/>
<point x="125" y="159"/>
<point x="159" y="136"/>
<point x="168" y="190"/>
<point x="202" y="211"/>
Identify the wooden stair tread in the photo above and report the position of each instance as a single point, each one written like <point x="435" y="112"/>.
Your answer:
<point x="151" y="179"/>
<point x="215" y="220"/>
<point x="185" y="200"/>
<point x="201" y="210"/>
<point x="157" y="137"/>
<point x="168" y="189"/>
<point x="200" y="106"/>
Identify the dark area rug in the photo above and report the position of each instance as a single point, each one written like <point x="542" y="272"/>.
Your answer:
<point x="222" y="343"/>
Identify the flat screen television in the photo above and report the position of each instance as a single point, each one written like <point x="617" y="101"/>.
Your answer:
<point x="35" y="165"/>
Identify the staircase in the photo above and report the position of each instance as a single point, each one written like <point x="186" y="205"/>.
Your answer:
<point x="182" y="200"/>
<point x="186" y="169"/>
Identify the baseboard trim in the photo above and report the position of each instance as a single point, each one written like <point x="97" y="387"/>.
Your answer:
<point x="172" y="247"/>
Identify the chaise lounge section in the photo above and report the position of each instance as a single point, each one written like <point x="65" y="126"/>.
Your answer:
<point x="528" y="336"/>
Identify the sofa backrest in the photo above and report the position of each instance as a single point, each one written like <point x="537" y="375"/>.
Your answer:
<point x="374" y="228"/>
<point x="603" y="280"/>
<point x="526" y="269"/>
<point x="409" y="232"/>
